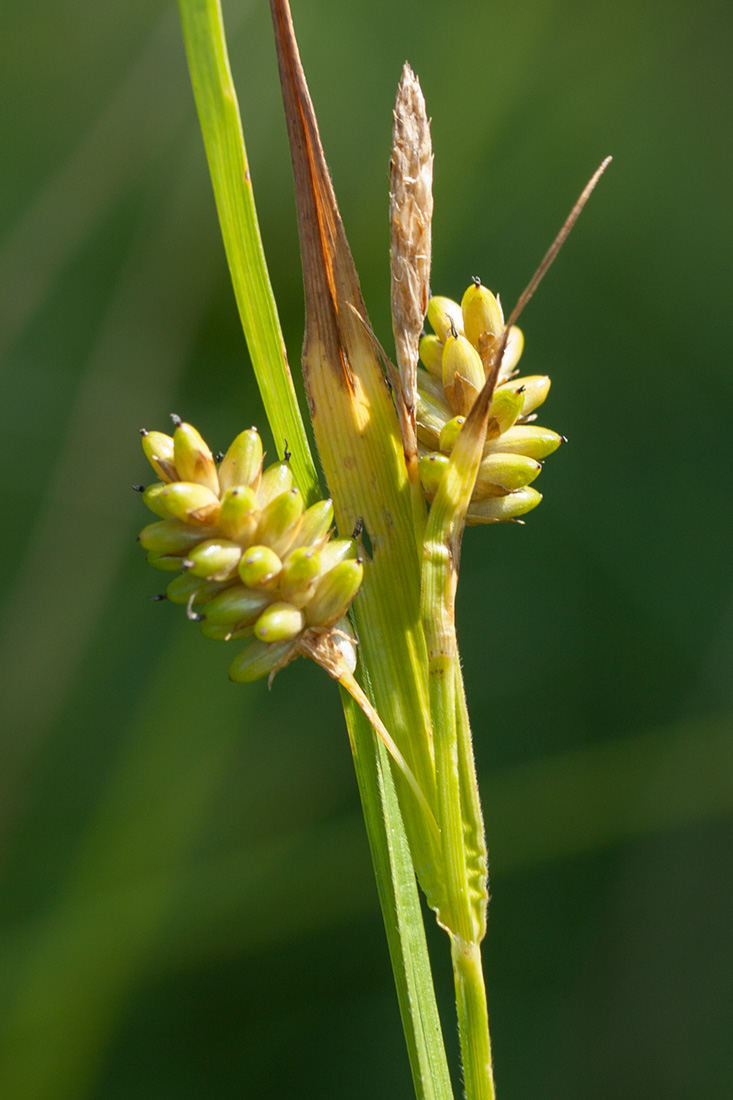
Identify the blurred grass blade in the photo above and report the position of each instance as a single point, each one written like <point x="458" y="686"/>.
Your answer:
<point x="216" y="101"/>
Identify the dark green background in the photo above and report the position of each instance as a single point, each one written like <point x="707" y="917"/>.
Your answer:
<point x="187" y="902"/>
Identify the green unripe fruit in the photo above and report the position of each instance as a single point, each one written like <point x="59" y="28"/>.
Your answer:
<point x="257" y="660"/>
<point x="239" y="514"/>
<point x="300" y="571"/>
<point x="481" y="313"/>
<point x="224" y="633"/>
<point x="336" y="551"/>
<point x="432" y="468"/>
<point x="236" y="607"/>
<point x="450" y="433"/>
<point x="259" y="566"/>
<point x="535" y="389"/>
<point x="170" y="536"/>
<point x="501" y="473"/>
<point x="190" y="502"/>
<point x="153" y="498"/>
<point x="159" y="452"/>
<point x="501" y="509"/>
<point x="276" y="479"/>
<point x="183" y="587"/>
<point x="315" y="525"/>
<point x="280" y="622"/>
<point x="505" y="407"/>
<point x="242" y="464"/>
<point x="215" y="559"/>
<point x="169" y="563"/>
<point x="526" y="439"/>
<point x="280" y="521"/>
<point x="431" y="355"/>
<point x="463" y="374"/>
<point x="194" y="460"/>
<point x="334" y="593"/>
<point x="445" y="316"/>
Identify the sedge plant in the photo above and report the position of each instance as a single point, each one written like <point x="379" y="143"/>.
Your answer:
<point x="450" y="441"/>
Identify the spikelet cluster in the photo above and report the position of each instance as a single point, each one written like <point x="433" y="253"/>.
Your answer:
<point x="253" y="561"/>
<point x="456" y="357"/>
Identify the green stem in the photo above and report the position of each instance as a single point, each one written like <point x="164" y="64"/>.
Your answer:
<point x="473" y="1020"/>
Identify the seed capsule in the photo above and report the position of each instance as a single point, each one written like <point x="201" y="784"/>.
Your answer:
<point x="170" y="536"/>
<point x="481" y="313"/>
<point x="526" y="439"/>
<point x="276" y="479"/>
<point x="432" y="467"/>
<point x="431" y="355"/>
<point x="315" y="526"/>
<point x="501" y="473"/>
<point x="159" y="449"/>
<point x="535" y="389"/>
<point x="501" y="509"/>
<point x="445" y="315"/>
<point x="169" y="563"/>
<point x="190" y="502"/>
<point x="506" y="405"/>
<point x="239" y="514"/>
<point x="259" y="566"/>
<point x="242" y="464"/>
<point x="257" y="660"/>
<point x="214" y="559"/>
<point x="280" y="521"/>
<point x="194" y="460"/>
<point x="450" y="433"/>
<point x="152" y="497"/>
<point x="463" y="374"/>
<point x="300" y="571"/>
<point x="186" y="585"/>
<point x="334" y="593"/>
<point x="280" y="622"/>
<point x="236" y="607"/>
<point x="336" y="551"/>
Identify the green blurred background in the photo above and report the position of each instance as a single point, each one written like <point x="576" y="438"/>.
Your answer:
<point x="187" y="902"/>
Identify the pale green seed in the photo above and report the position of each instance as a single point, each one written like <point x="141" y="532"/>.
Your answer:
<point x="170" y="536"/>
<point x="506" y="405"/>
<point x="445" y="315"/>
<point x="300" y="571"/>
<point x="526" y="439"/>
<point x="481" y="313"/>
<point x="432" y="468"/>
<point x="236" y="607"/>
<point x="501" y="509"/>
<point x="280" y="520"/>
<point x="159" y="451"/>
<point x="280" y="622"/>
<point x="336" y="551"/>
<point x="242" y="464"/>
<point x="259" y="566"/>
<point x="535" y="389"/>
<point x="224" y="633"/>
<point x="315" y="526"/>
<point x="194" y="460"/>
<point x="169" y="563"/>
<point x="182" y="588"/>
<point x="191" y="502"/>
<point x="276" y="479"/>
<point x="239" y="514"/>
<point x="334" y="594"/>
<point x="215" y="559"/>
<point x="431" y="355"/>
<point x="152" y="497"/>
<point x="257" y="660"/>
<point x="501" y="473"/>
<point x="450" y="433"/>
<point x="463" y="374"/>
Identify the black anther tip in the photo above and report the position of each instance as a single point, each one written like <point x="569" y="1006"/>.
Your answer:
<point x="286" y="453"/>
<point x="143" y="432"/>
<point x="139" y="488"/>
<point x="219" y="457"/>
<point x="176" y="420"/>
<point x="158" y="597"/>
<point x="358" y="528"/>
<point x="475" y="280"/>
